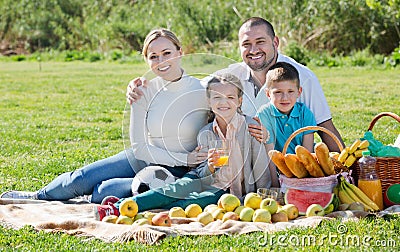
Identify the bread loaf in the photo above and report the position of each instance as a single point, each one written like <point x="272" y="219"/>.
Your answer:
<point x="309" y="162"/>
<point x="322" y="152"/>
<point x="295" y="166"/>
<point x="279" y="160"/>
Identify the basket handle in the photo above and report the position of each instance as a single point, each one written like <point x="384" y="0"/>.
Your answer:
<point x="377" y="117"/>
<point x="290" y="138"/>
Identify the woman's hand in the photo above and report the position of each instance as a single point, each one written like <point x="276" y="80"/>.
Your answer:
<point x="259" y="131"/>
<point x="196" y="157"/>
<point x="133" y="93"/>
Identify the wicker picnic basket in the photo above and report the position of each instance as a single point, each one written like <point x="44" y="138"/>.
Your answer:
<point x="387" y="168"/>
<point x="321" y="184"/>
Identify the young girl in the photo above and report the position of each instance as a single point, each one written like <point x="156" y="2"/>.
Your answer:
<point x="164" y="126"/>
<point x="248" y="163"/>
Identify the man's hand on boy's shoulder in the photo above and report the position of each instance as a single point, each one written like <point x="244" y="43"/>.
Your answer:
<point x="259" y="131"/>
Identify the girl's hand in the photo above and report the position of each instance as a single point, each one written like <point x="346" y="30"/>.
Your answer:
<point x="213" y="157"/>
<point x="133" y="93"/>
<point x="196" y="157"/>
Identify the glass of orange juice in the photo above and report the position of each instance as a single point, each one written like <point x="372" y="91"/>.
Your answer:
<point x="222" y="147"/>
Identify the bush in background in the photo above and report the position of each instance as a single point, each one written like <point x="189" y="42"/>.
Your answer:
<point x="339" y="28"/>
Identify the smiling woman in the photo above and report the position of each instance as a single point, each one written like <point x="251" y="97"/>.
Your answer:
<point x="163" y="131"/>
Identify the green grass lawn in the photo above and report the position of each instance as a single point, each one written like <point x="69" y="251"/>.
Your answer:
<point x="71" y="114"/>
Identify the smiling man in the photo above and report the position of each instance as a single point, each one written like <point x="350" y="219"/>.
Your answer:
<point x="259" y="50"/>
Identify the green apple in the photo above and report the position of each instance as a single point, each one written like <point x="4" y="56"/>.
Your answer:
<point x="228" y="202"/>
<point x="238" y="209"/>
<point x="252" y="200"/>
<point x="177" y="212"/>
<point x="315" y="210"/>
<point x="139" y="216"/>
<point x="261" y="215"/>
<point x="110" y="219"/>
<point x="218" y="213"/>
<point x="123" y="219"/>
<point x="205" y="218"/>
<point x="210" y="208"/>
<point x="230" y="216"/>
<point x="149" y="215"/>
<point x="142" y="222"/>
<point x="291" y="210"/>
<point x="246" y="214"/>
<point x="193" y="210"/>
<point x="269" y="204"/>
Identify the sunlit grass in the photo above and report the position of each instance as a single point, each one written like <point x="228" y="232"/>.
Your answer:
<point x="71" y="114"/>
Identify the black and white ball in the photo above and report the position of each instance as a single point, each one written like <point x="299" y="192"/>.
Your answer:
<point x="151" y="177"/>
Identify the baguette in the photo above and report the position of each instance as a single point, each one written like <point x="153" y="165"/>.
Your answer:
<point x="322" y="152"/>
<point x="279" y="160"/>
<point x="295" y="166"/>
<point x="309" y="162"/>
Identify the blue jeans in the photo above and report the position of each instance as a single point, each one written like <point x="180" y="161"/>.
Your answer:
<point x="182" y="192"/>
<point x="109" y="176"/>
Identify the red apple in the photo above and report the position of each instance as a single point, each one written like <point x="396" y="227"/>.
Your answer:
<point x="161" y="219"/>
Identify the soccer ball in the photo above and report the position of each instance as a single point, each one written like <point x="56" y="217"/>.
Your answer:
<point x="151" y="177"/>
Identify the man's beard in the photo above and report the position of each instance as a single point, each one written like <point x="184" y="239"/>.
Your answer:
<point x="263" y="65"/>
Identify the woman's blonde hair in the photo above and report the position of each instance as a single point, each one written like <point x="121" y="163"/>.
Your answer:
<point x="157" y="33"/>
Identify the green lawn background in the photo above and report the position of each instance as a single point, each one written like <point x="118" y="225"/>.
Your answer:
<point x="67" y="115"/>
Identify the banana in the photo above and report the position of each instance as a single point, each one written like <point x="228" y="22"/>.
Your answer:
<point x="350" y="160"/>
<point x="354" y="196"/>
<point x="344" y="197"/>
<point x="358" y="153"/>
<point x="363" y="145"/>
<point x="343" y="155"/>
<point x="361" y="195"/>
<point x="354" y="146"/>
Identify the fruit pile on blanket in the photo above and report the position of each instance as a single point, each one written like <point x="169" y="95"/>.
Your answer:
<point x="298" y="203"/>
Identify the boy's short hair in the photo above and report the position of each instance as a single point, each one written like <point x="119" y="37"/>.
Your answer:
<point x="282" y="71"/>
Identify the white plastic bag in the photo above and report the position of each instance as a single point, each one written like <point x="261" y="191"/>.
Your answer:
<point x="322" y="184"/>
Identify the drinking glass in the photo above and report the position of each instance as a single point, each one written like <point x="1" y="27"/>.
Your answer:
<point x="267" y="193"/>
<point x="223" y="148"/>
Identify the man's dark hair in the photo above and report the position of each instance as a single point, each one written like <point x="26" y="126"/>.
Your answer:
<point x="255" y="21"/>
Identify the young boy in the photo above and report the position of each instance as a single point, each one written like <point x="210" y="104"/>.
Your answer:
<point x="283" y="114"/>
